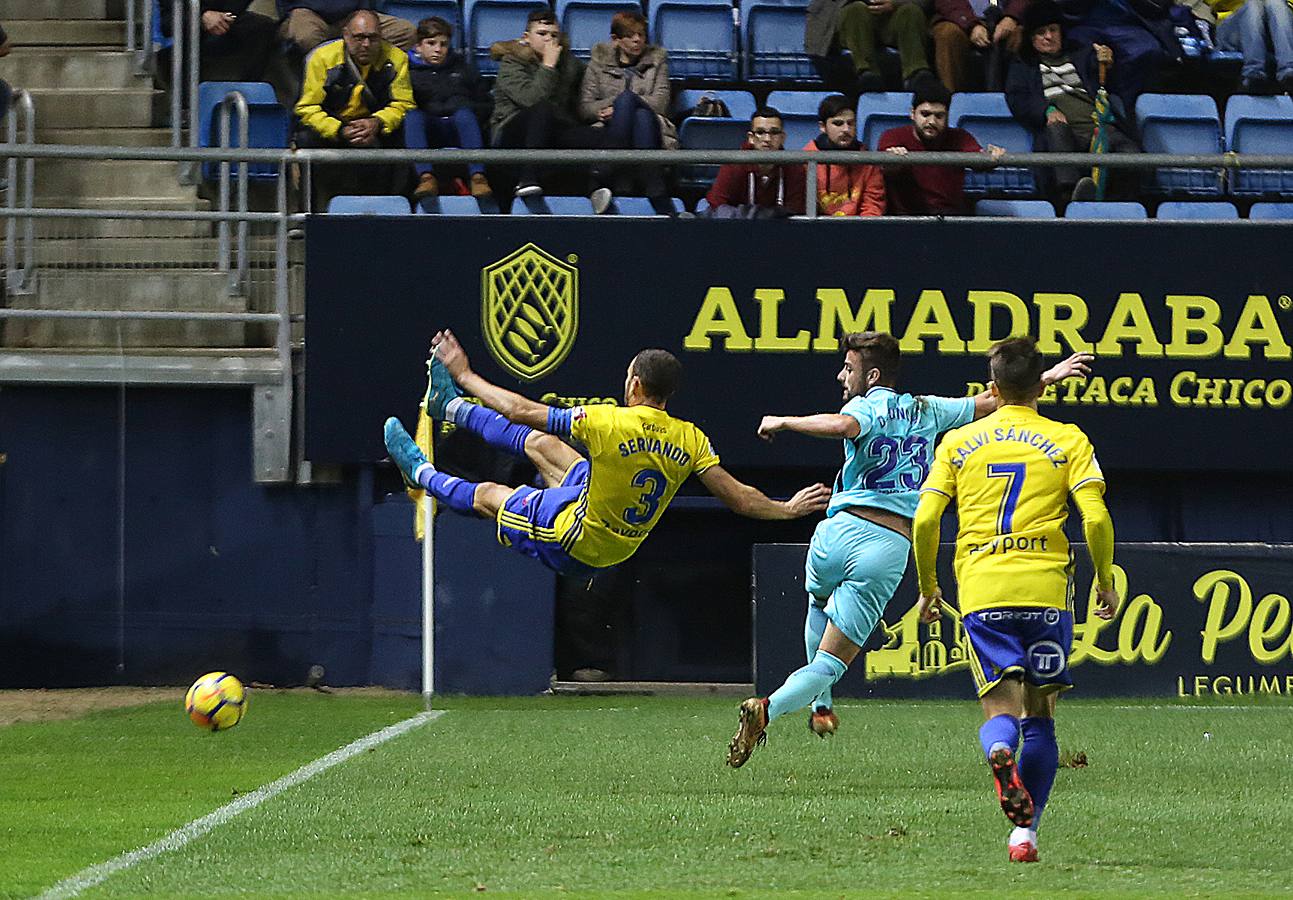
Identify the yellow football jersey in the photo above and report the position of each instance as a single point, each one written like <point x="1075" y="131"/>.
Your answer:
<point x="1010" y="474"/>
<point x="639" y="456"/>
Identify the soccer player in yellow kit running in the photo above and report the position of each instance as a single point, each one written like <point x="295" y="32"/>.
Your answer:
<point x="596" y="511"/>
<point x="1011" y="474"/>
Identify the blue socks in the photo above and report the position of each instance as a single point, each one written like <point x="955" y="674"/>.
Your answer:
<point x="814" y="628"/>
<point x="455" y="493"/>
<point x="496" y="430"/>
<point x="1039" y="759"/>
<point x="999" y="731"/>
<point x="805" y="684"/>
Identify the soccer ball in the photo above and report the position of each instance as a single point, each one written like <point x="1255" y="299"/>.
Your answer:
<point x="216" y="701"/>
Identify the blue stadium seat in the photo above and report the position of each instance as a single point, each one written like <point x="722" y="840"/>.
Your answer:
<point x="700" y="36"/>
<point x="772" y="34"/>
<point x="639" y="206"/>
<point x="493" y="20"/>
<point x="739" y="103"/>
<point x="709" y="134"/>
<point x="1269" y="211"/>
<point x="1086" y="209"/>
<point x="449" y="205"/>
<point x="552" y="206"/>
<point x="879" y="112"/>
<point x="269" y="125"/>
<point x="1181" y="123"/>
<point x="702" y="206"/>
<point x="378" y="205"/>
<point x="797" y="103"/>
<point x="987" y="117"/>
<point x="1185" y="210"/>
<point x="1260" y="125"/>
<point x="588" y="22"/>
<point x="416" y="10"/>
<point x="1015" y="209"/>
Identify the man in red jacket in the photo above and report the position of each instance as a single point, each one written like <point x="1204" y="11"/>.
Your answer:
<point x="929" y="190"/>
<point x="739" y="187"/>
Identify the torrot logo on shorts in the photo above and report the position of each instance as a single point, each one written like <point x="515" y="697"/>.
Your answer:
<point x="529" y="311"/>
<point x="1046" y="659"/>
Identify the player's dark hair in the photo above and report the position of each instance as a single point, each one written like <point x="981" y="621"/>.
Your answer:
<point x="1016" y="366"/>
<point x="878" y="351"/>
<point x="433" y="26"/>
<point x="832" y="106"/>
<point x="543" y="15"/>
<point x="659" y="371"/>
<point x="930" y="90"/>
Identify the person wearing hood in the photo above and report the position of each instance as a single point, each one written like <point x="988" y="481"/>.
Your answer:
<point x="536" y="97"/>
<point x="450" y="100"/>
<point x="844" y="190"/>
<point x="739" y="185"/>
<point x="625" y="91"/>
<point x="1051" y="89"/>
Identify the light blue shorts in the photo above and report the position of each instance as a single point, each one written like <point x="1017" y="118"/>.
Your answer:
<point x="854" y="567"/>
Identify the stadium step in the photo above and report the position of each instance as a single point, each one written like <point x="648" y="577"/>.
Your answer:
<point x="28" y="32"/>
<point x="106" y="137"/>
<point x="37" y="68"/>
<point x="122" y="228"/>
<point x="126" y="289"/>
<point x="108" y="178"/>
<point x="86" y="108"/>
<point x="53" y="9"/>
<point x="70" y="250"/>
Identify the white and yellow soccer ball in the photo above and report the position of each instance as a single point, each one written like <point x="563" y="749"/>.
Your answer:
<point x="216" y="701"/>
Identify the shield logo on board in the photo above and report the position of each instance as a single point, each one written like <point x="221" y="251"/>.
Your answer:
<point x="530" y="311"/>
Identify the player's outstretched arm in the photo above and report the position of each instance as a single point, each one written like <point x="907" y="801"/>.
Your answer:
<point x="924" y="546"/>
<point x="1076" y="366"/>
<point x="750" y="501"/>
<point x="822" y="425"/>
<point x="1097" y="527"/>
<point x="515" y="407"/>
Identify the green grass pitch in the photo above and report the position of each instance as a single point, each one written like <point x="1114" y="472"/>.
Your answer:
<point x="628" y="796"/>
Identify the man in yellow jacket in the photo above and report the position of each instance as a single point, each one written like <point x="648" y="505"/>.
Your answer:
<point x="356" y="94"/>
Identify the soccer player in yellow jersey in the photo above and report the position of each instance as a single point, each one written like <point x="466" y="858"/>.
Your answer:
<point x="1011" y="474"/>
<point x="596" y="511"/>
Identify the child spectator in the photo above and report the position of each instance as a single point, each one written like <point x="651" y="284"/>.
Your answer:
<point x="451" y="99"/>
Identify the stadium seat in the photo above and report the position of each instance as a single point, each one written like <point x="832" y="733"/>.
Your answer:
<point x="1015" y="209"/>
<point x="740" y="104"/>
<point x="1084" y="209"/>
<point x="489" y="21"/>
<point x="640" y="206"/>
<point x="798" y="114"/>
<point x="588" y="22"/>
<point x="879" y="112"/>
<point x="1184" y="210"/>
<point x="377" y="205"/>
<point x="1181" y="123"/>
<point x="449" y="205"/>
<point x="416" y="10"/>
<point x="987" y="117"/>
<point x="269" y="125"/>
<point x="772" y="34"/>
<point x="1260" y="125"/>
<point x="552" y="206"/>
<point x="700" y="36"/>
<point x="702" y="206"/>
<point x="1269" y="211"/>
<point x="709" y="134"/>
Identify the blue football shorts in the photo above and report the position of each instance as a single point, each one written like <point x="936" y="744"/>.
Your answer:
<point x="854" y="567"/>
<point x="526" y="517"/>
<point x="1034" y="641"/>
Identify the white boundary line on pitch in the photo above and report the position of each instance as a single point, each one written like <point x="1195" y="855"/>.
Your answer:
<point x="97" y="874"/>
<point x="1204" y="708"/>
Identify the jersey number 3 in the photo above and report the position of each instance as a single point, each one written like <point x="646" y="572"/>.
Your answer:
<point x="655" y="483"/>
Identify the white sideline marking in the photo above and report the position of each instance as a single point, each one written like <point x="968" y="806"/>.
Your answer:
<point x="1204" y="708"/>
<point x="97" y="874"/>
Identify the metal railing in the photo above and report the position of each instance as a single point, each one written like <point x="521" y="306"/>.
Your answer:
<point x="235" y="103"/>
<point x="186" y="24"/>
<point x="20" y="275"/>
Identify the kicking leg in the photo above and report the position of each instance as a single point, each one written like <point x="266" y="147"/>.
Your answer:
<point x="1038" y="763"/>
<point x="999" y="736"/>
<point x="466" y="497"/>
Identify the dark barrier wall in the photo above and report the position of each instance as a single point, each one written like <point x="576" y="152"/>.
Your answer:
<point x="1194" y="355"/>
<point x="1196" y="620"/>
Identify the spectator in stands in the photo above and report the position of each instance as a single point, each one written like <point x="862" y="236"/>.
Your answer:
<point x="536" y="99"/>
<point x="861" y="27"/>
<point x="235" y="43"/>
<point x="844" y="190"/>
<point x="973" y="41"/>
<point x="1261" y="30"/>
<point x="740" y="190"/>
<point x="356" y="94"/>
<point x="625" y="91"/>
<point x="929" y="190"/>
<point x="1141" y="33"/>
<point x="448" y="91"/>
<point x="1051" y="89"/>
<point x="309" y="23"/>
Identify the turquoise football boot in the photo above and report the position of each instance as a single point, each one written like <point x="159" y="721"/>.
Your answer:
<point x="405" y="453"/>
<point x="440" y="389"/>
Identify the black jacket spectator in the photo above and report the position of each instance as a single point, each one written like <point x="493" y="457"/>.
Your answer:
<point x="444" y="89"/>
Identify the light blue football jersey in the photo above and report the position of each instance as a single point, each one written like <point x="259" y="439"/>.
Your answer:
<point x="885" y="465"/>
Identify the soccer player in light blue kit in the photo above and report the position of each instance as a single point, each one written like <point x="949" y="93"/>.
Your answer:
<point x="859" y="552"/>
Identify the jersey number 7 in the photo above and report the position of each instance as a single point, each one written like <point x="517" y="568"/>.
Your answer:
<point x="1013" y="473"/>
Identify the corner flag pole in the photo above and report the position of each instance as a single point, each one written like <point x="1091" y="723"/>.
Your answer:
<point x="428" y="601"/>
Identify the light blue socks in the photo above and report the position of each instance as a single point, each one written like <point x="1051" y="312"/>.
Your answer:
<point x="804" y="684"/>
